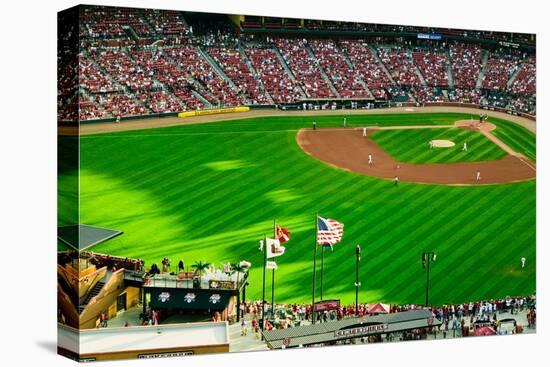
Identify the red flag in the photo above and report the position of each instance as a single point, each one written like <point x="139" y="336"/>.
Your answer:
<point x="282" y="234"/>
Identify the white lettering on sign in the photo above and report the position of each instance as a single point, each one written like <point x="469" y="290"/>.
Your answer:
<point x="344" y="333"/>
<point x="166" y="355"/>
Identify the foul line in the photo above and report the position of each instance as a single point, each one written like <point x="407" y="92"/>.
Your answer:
<point x="527" y="163"/>
<point x="122" y="135"/>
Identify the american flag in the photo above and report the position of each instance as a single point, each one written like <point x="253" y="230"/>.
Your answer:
<point x="329" y="231"/>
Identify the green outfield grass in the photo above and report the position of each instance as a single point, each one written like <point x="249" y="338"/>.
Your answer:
<point x="412" y="146"/>
<point x="211" y="191"/>
<point x="517" y="137"/>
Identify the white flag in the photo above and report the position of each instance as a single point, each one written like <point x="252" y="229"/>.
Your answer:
<point x="271" y="265"/>
<point x="274" y="248"/>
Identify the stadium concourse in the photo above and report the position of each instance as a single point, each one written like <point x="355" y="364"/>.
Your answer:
<point x="493" y="317"/>
<point x="135" y="62"/>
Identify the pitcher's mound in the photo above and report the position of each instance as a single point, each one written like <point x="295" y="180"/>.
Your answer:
<point x="442" y="143"/>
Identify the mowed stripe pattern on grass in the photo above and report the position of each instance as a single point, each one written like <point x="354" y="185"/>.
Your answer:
<point x="208" y="193"/>
<point x="412" y="146"/>
<point x="515" y="136"/>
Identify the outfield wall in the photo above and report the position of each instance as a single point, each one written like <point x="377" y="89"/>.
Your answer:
<point x="147" y="123"/>
<point x="241" y="109"/>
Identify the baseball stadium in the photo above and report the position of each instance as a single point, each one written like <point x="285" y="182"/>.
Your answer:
<point x="250" y="182"/>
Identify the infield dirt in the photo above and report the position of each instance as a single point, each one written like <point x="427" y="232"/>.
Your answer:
<point x="348" y="149"/>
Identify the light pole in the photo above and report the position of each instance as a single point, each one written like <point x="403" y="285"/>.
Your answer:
<point x="427" y="258"/>
<point x="357" y="284"/>
<point x="263" y="246"/>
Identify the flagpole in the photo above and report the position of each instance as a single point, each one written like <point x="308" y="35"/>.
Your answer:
<point x="314" y="269"/>
<point x="273" y="293"/>
<point x="322" y="271"/>
<point x="273" y="274"/>
<point x="263" y="285"/>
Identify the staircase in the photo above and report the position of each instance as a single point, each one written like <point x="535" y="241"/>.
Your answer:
<point x="252" y="69"/>
<point x="100" y="108"/>
<point x="356" y="75"/>
<point x="323" y="74"/>
<point x="149" y="25"/>
<point x="91" y="294"/>
<point x="217" y="69"/>
<point x="207" y="104"/>
<point x="168" y="91"/>
<point x="121" y="88"/>
<point x="450" y="70"/>
<point x="416" y="69"/>
<point x="198" y="85"/>
<point x="514" y="76"/>
<point x="347" y="58"/>
<point x="483" y="69"/>
<point x="288" y="71"/>
<point x="130" y="32"/>
<point x="381" y="64"/>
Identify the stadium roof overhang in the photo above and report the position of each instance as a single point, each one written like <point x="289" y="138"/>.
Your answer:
<point x="82" y="237"/>
<point x="349" y="328"/>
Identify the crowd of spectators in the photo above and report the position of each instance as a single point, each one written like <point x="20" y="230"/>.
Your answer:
<point x="325" y="25"/>
<point x="123" y="69"/>
<point x="233" y="65"/>
<point x="113" y="262"/>
<point x="464" y="95"/>
<point x="160" y="101"/>
<point x="110" y="22"/>
<point x="277" y="82"/>
<point x="210" y="65"/>
<point x="169" y="74"/>
<point x="167" y="22"/>
<point x="494" y="99"/>
<point x="400" y="65"/>
<point x="217" y="90"/>
<point x="88" y="110"/>
<point x="460" y="318"/>
<point x="341" y="73"/>
<point x="465" y="64"/>
<point x="424" y="94"/>
<point x="120" y="105"/>
<point x="93" y="79"/>
<point x="433" y="66"/>
<point x="368" y="67"/>
<point x="525" y="81"/>
<point x="500" y="68"/>
<point x="304" y="67"/>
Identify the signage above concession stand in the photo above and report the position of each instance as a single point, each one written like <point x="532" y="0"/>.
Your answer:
<point x="328" y="305"/>
<point x="360" y="330"/>
<point x="356" y="327"/>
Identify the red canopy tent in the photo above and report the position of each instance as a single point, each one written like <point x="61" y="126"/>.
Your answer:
<point x="378" y="308"/>
<point x="484" y="330"/>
